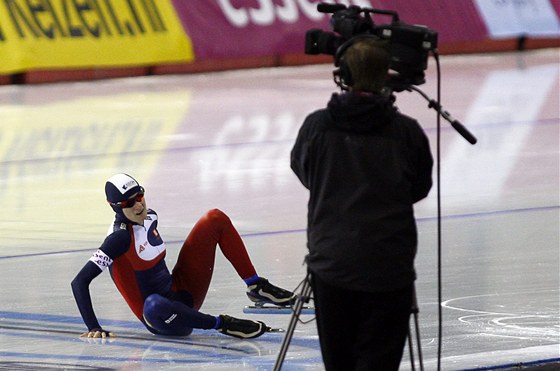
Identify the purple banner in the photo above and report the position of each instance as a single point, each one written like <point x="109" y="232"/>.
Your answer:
<point x="221" y="29"/>
<point x="247" y="28"/>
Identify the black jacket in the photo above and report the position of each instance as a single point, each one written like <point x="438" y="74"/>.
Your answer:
<point x="365" y="165"/>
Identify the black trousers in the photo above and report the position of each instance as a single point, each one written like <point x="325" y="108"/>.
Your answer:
<point x="361" y="330"/>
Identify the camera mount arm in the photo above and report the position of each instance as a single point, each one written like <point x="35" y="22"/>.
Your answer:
<point x="462" y="130"/>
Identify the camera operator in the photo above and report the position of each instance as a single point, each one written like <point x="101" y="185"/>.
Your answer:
<point x="365" y="165"/>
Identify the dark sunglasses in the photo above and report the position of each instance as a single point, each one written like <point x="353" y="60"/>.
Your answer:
<point x="131" y="201"/>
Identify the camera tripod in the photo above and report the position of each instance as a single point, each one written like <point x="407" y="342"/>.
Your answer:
<point x="304" y="297"/>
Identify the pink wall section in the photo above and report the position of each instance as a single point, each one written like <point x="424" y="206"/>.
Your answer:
<point x="556" y="5"/>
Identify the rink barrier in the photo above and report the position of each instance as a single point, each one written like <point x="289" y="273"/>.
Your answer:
<point x="61" y="75"/>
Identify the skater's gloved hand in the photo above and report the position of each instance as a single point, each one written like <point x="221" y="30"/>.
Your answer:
<point x="97" y="333"/>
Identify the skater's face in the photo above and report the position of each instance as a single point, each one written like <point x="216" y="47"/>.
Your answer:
<point x="135" y="208"/>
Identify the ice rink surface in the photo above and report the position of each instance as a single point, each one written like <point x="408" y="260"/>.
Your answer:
<point x="223" y="140"/>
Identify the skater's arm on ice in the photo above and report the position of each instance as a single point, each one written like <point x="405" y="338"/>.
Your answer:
<point x="113" y="246"/>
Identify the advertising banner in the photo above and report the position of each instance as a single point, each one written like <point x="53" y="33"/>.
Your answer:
<point x="70" y="34"/>
<point x="511" y="18"/>
<point x="246" y="28"/>
<point x="252" y="28"/>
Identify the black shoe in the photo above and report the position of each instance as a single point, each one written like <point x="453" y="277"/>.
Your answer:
<point x="264" y="292"/>
<point x="241" y="328"/>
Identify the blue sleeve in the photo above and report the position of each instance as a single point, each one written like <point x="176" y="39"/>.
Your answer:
<point x="80" y="289"/>
<point x="114" y="245"/>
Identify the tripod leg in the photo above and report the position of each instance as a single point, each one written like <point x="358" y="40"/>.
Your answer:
<point x="417" y="328"/>
<point x="418" y="342"/>
<point x="301" y="300"/>
<point x="411" y="350"/>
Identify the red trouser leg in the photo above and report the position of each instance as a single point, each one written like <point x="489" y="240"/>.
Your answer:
<point x="195" y="264"/>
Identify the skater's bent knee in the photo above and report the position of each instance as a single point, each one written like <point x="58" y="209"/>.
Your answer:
<point x="216" y="215"/>
<point x="153" y="304"/>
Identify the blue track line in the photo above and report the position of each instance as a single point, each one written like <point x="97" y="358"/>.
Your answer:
<point x="521" y="365"/>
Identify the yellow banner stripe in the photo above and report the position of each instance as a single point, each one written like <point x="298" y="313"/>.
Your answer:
<point x="69" y="34"/>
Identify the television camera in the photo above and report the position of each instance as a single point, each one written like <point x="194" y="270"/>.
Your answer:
<point x="409" y="45"/>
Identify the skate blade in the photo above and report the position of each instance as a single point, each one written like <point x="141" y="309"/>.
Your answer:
<point x="274" y="329"/>
<point x="274" y="309"/>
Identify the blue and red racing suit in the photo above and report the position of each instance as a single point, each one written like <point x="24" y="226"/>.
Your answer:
<point x="135" y="255"/>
